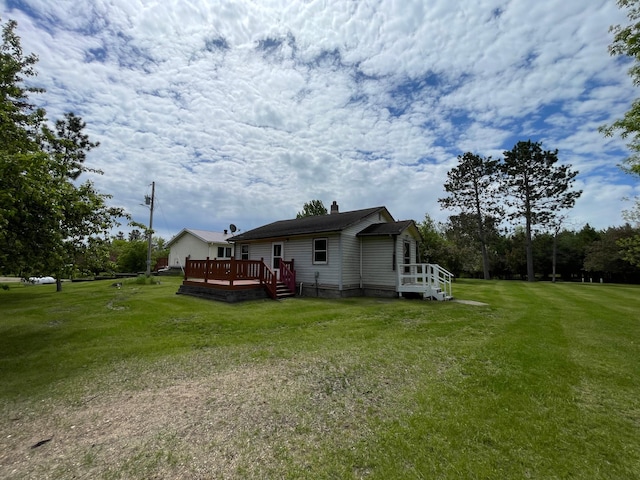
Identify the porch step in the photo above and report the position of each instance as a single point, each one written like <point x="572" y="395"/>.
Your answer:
<point x="438" y="294"/>
<point x="283" y="292"/>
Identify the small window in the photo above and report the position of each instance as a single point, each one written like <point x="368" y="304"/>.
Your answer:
<point x="244" y="252"/>
<point x="320" y="253"/>
<point x="224" y="252"/>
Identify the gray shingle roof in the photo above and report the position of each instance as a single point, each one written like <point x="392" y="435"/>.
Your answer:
<point x="308" y="225"/>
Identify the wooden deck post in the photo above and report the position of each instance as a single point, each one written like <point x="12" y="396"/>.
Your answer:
<point x="232" y="273"/>
<point x="261" y="269"/>
<point x="186" y="267"/>
<point x="206" y="270"/>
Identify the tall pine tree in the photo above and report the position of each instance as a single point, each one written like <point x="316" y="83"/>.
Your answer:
<point x="536" y="188"/>
<point x="471" y="187"/>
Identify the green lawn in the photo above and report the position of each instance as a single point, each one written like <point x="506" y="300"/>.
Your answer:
<point x="137" y="382"/>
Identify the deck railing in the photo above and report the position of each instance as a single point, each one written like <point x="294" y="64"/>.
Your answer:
<point x="231" y="270"/>
<point x="288" y="275"/>
<point x="429" y="275"/>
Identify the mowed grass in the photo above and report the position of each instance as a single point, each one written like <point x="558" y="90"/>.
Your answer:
<point x="137" y="382"/>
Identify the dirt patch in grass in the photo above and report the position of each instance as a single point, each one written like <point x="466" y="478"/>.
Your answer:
<point x="470" y="302"/>
<point x="248" y="422"/>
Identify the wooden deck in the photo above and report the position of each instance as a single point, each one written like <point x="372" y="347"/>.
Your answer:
<point x="223" y="290"/>
<point x="235" y="280"/>
<point x="223" y="284"/>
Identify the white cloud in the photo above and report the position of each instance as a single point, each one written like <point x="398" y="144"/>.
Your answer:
<point x="241" y="111"/>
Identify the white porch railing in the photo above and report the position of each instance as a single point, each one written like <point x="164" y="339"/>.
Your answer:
<point x="431" y="280"/>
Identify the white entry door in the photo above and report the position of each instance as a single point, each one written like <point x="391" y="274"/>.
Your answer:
<point x="277" y="252"/>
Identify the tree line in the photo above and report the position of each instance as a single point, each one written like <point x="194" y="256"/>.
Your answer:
<point x="584" y="254"/>
<point x="527" y="186"/>
<point x="118" y="254"/>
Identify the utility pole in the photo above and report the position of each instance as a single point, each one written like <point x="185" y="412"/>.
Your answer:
<point x="149" y="201"/>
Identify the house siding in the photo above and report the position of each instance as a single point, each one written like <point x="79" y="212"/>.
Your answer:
<point x="355" y="265"/>
<point x="377" y="265"/>
<point x="257" y="251"/>
<point x="351" y="251"/>
<point x="378" y="261"/>
<point x="300" y="250"/>
<point x="187" y="245"/>
<point x="340" y="277"/>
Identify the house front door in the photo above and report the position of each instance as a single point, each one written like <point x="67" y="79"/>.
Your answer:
<point x="406" y="260"/>
<point x="406" y="255"/>
<point x="276" y="257"/>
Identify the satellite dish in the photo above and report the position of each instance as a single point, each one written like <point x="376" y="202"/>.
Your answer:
<point x="233" y="228"/>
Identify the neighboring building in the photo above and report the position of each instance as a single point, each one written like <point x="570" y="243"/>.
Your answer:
<point x="339" y="254"/>
<point x="198" y="244"/>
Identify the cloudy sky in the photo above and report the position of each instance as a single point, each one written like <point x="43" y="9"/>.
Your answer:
<point x="243" y="110"/>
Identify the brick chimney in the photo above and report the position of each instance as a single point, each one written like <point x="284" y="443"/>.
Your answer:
<point x="334" y="207"/>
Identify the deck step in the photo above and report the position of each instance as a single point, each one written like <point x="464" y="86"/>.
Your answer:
<point x="283" y="292"/>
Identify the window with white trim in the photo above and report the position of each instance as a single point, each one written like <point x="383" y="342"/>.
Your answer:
<point x="244" y="252"/>
<point x="224" y="252"/>
<point x="320" y="251"/>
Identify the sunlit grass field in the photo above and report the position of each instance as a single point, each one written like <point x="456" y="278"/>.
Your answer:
<point x="137" y="382"/>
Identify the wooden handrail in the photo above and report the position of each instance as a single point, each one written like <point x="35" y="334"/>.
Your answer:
<point x="231" y="270"/>
<point x="288" y="275"/>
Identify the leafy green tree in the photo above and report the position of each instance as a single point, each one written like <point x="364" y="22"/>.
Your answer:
<point x="133" y="257"/>
<point x="93" y="259"/>
<point x="116" y="249"/>
<point x="461" y="250"/>
<point x="631" y="246"/>
<point x="159" y="250"/>
<point x="626" y="42"/>
<point x="571" y="251"/>
<point x="501" y="245"/>
<point x="630" y="249"/>
<point x="312" y="209"/>
<point x="432" y="248"/>
<point x="606" y="258"/>
<point x="20" y="120"/>
<point x="22" y="167"/>
<point x="46" y="218"/>
<point x="536" y="189"/>
<point x="68" y="144"/>
<point x="471" y="187"/>
<point x="127" y="256"/>
<point x="135" y="235"/>
<point x="543" y="253"/>
<point x="515" y="254"/>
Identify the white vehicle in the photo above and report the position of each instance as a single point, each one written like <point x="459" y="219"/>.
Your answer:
<point x="39" y="280"/>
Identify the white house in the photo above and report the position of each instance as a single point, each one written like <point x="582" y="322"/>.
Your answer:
<point x="190" y="243"/>
<point x="361" y="252"/>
